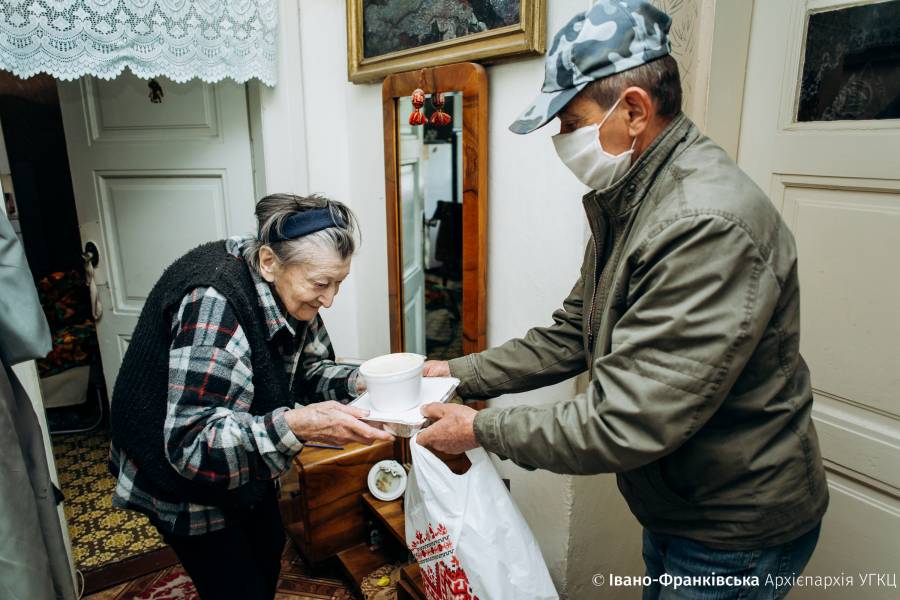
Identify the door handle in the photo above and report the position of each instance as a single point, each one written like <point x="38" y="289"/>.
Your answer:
<point x="91" y="257"/>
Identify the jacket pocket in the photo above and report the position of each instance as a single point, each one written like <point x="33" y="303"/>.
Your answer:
<point x="657" y="483"/>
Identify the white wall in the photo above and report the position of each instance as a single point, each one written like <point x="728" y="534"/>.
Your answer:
<point x="604" y="538"/>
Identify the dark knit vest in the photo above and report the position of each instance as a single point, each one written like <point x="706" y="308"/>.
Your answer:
<point x="138" y="410"/>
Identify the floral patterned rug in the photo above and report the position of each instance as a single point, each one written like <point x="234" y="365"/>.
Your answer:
<point x="100" y="533"/>
<point x="296" y="583"/>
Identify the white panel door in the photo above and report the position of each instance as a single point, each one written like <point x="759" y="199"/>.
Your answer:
<point x="151" y="182"/>
<point x="820" y="134"/>
<point x="413" y="259"/>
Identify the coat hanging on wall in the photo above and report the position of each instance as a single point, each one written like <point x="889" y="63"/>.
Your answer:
<point x="178" y="39"/>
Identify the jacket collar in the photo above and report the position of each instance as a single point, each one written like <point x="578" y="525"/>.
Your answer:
<point x="626" y="193"/>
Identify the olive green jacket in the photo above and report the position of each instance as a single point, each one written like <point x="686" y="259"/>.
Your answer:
<point x="687" y="315"/>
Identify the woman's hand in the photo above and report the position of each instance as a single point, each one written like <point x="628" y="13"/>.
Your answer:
<point x="436" y="368"/>
<point x="333" y="423"/>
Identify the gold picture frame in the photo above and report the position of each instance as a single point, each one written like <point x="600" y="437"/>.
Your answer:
<point x="528" y="36"/>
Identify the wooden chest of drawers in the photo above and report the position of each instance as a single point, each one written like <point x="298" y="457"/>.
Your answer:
<point x="321" y="501"/>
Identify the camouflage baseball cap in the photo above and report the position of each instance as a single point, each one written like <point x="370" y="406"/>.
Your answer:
<point x="610" y="37"/>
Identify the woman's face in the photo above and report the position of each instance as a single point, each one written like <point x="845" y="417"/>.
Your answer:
<point x="304" y="288"/>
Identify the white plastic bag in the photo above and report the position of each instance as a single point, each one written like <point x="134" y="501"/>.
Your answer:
<point x="467" y="535"/>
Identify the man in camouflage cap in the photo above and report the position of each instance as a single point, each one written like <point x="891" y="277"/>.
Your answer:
<point x="686" y="316"/>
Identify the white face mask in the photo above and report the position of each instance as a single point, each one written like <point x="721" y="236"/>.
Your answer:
<point x="583" y="153"/>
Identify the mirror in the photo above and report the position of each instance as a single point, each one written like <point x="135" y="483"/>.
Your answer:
<point x="431" y="204"/>
<point x="436" y="207"/>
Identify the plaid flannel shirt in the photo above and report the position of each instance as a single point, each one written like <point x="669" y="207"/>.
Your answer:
<point x="209" y="434"/>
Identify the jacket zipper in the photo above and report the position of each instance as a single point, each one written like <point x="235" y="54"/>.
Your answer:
<point x="593" y="297"/>
<point x="616" y="237"/>
<point x="610" y="235"/>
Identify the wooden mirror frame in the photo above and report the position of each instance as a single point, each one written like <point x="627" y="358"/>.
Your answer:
<point x="471" y="80"/>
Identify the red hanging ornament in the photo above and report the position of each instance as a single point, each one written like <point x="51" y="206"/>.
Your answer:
<point x="439" y="118"/>
<point x="418" y="101"/>
<point x="417" y="118"/>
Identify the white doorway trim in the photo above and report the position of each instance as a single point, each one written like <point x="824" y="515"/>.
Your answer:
<point x="713" y="72"/>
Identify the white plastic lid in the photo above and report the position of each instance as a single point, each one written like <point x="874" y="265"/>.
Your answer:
<point x="391" y="364"/>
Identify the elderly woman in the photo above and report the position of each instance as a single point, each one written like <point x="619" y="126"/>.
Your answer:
<point x="203" y="412"/>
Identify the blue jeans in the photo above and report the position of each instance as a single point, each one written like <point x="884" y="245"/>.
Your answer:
<point x="675" y="559"/>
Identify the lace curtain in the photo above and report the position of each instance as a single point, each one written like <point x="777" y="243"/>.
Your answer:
<point x="178" y="39"/>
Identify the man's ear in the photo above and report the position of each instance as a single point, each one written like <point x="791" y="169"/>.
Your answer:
<point x="640" y="110"/>
<point x="268" y="264"/>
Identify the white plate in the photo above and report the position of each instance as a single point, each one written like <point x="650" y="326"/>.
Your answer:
<point x="392" y="482"/>
<point x="406" y="423"/>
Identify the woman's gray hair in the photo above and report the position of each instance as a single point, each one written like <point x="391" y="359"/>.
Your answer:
<point x="271" y="213"/>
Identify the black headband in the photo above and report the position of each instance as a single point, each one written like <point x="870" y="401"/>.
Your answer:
<point x="304" y="223"/>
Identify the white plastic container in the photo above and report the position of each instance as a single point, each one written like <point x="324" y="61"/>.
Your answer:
<point x="394" y="381"/>
<point x="406" y="424"/>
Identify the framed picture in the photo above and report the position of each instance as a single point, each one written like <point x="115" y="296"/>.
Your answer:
<point x="390" y="36"/>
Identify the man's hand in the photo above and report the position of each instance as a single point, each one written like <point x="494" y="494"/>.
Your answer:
<point x="453" y="430"/>
<point x="436" y="368"/>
